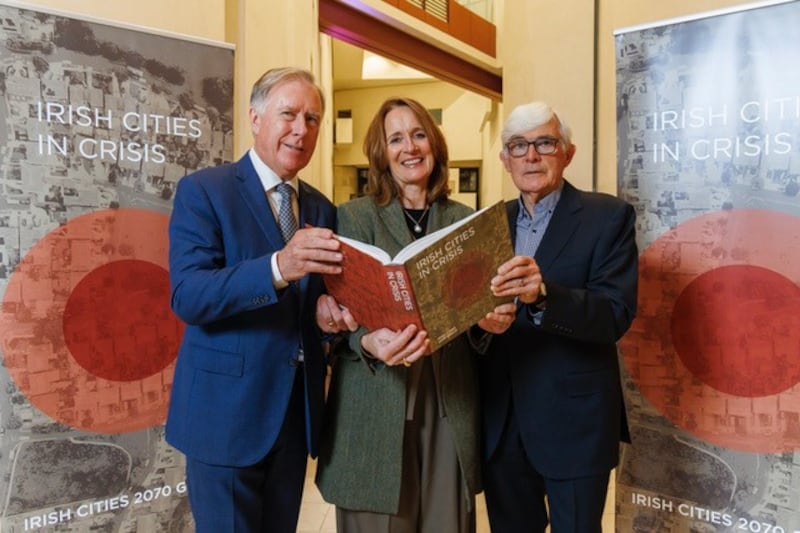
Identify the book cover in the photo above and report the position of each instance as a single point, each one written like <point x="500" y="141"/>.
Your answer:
<point x="439" y="282"/>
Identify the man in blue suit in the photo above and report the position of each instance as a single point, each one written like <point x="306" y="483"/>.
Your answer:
<point x="248" y="391"/>
<point x="552" y="398"/>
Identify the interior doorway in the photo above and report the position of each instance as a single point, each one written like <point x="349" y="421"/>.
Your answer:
<point x="362" y="80"/>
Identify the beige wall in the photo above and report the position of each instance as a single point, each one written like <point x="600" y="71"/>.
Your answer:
<point x="197" y="18"/>
<point x="548" y="54"/>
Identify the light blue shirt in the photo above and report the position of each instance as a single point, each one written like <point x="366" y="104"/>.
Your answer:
<point x="530" y="229"/>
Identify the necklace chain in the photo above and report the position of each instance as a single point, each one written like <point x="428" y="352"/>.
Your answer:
<point x="417" y="222"/>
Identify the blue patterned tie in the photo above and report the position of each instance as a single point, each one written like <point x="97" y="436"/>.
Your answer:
<point x="286" y="219"/>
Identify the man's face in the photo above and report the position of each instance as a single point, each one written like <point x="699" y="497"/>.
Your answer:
<point x="285" y="133"/>
<point x="538" y="175"/>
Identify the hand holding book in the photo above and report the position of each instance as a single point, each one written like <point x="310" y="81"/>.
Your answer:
<point x="440" y="283"/>
<point x="519" y="278"/>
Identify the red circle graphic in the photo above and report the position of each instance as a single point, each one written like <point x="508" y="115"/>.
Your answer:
<point x="86" y="330"/>
<point x="715" y="342"/>
<point x="724" y="323"/>
<point x="117" y="323"/>
<point x="459" y="288"/>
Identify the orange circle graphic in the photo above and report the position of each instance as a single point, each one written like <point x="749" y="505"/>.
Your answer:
<point x="86" y="329"/>
<point x="715" y="342"/>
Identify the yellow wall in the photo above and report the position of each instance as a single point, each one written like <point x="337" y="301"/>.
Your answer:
<point x="548" y="54"/>
<point x="197" y="18"/>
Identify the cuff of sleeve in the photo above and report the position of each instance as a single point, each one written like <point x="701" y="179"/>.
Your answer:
<point x="277" y="278"/>
<point x="355" y="345"/>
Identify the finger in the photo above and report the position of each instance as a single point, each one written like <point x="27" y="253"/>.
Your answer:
<point x="322" y="312"/>
<point x="515" y="262"/>
<point x="311" y="233"/>
<point x="418" y="354"/>
<point x="417" y="348"/>
<point x="505" y="309"/>
<point x="349" y="320"/>
<point x="407" y="343"/>
<point x="316" y="267"/>
<point x="513" y="277"/>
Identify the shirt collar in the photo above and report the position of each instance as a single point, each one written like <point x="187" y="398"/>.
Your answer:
<point x="269" y="180"/>
<point x="548" y="203"/>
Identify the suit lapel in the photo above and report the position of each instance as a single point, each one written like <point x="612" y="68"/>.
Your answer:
<point x="255" y="198"/>
<point x="562" y="226"/>
<point x="309" y="215"/>
<point x="395" y="222"/>
<point x="309" y="208"/>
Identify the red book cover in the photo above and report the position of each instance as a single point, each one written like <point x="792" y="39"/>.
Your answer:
<point x="377" y="294"/>
<point x="439" y="282"/>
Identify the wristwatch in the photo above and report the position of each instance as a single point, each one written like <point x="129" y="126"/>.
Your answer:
<point x="540" y="302"/>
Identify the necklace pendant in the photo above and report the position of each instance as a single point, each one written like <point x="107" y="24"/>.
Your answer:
<point x="417" y="229"/>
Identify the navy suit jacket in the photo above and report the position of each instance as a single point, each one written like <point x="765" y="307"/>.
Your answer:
<point x="563" y="375"/>
<point x="235" y="368"/>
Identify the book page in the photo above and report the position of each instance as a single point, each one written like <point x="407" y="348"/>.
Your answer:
<point x="369" y="249"/>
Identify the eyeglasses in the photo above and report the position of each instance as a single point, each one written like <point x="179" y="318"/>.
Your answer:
<point x="542" y="145"/>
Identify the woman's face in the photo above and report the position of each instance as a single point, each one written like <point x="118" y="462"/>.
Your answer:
<point x="408" y="148"/>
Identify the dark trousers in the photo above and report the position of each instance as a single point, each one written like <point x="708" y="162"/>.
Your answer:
<point x="433" y="494"/>
<point x="261" y="498"/>
<point x="516" y="492"/>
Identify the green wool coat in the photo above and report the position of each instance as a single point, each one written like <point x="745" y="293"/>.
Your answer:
<point x="360" y="462"/>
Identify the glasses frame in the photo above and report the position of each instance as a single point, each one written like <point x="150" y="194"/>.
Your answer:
<point x="537" y="142"/>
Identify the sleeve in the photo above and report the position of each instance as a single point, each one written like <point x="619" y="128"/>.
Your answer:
<point x="603" y="308"/>
<point x="206" y="285"/>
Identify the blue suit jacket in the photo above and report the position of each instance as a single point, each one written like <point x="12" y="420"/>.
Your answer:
<point x="563" y="375"/>
<point x="235" y="372"/>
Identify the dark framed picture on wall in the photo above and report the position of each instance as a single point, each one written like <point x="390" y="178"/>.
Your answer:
<point x="361" y="180"/>
<point x="468" y="179"/>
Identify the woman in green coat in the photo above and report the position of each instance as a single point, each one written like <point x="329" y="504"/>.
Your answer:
<point x="400" y="448"/>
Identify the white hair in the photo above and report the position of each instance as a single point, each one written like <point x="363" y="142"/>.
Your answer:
<point x="526" y="117"/>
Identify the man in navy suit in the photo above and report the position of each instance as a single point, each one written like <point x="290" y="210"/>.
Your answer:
<point x="552" y="398"/>
<point x="248" y="391"/>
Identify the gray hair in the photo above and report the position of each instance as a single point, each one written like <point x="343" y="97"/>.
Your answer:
<point x="276" y="76"/>
<point x="526" y="117"/>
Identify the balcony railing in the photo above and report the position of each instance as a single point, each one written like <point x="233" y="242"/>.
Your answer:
<point x="453" y="19"/>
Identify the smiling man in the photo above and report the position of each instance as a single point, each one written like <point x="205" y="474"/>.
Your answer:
<point x="247" y="396"/>
<point x="552" y="399"/>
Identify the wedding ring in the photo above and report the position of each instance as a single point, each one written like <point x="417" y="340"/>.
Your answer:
<point x="331" y="324"/>
<point x="406" y="363"/>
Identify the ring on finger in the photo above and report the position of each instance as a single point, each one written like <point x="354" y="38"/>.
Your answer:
<point x="405" y="362"/>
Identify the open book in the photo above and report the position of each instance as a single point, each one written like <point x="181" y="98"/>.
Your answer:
<point x="440" y="282"/>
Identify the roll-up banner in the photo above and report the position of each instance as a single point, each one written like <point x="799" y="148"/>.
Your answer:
<point x="708" y="118"/>
<point x="98" y="121"/>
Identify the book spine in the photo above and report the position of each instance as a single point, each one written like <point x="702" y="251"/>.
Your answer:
<point x="406" y="308"/>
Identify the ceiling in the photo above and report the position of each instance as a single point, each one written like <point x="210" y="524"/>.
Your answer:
<point x="347" y="67"/>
